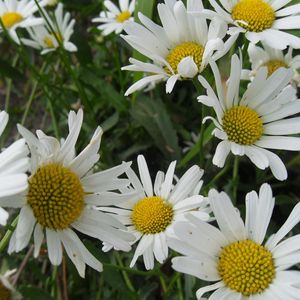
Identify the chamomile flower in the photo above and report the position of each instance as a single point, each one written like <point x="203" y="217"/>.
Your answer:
<point x="7" y="290"/>
<point x="114" y="17"/>
<point x="13" y="167"/>
<point x="273" y="59"/>
<point x="180" y="49"/>
<point x="235" y="255"/>
<point x="44" y="39"/>
<point x="52" y="2"/>
<point x="257" y="121"/>
<point x="260" y="20"/>
<point x="59" y="197"/>
<point x="150" y="211"/>
<point x="15" y="14"/>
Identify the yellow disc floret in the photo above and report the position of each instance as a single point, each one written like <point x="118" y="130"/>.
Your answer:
<point x="183" y="50"/>
<point x="253" y="15"/>
<point x="152" y="215"/>
<point x="5" y="293"/>
<point x="273" y="65"/>
<point x="246" y="267"/>
<point x="123" y="16"/>
<point x="242" y="125"/>
<point x="56" y="196"/>
<point x="48" y="40"/>
<point x="9" y="19"/>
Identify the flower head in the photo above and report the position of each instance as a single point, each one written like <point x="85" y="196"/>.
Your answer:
<point x="273" y="59"/>
<point x="60" y="195"/>
<point x="114" y="17"/>
<point x="150" y="211"/>
<point x="179" y="49"/>
<point x="13" y="167"/>
<point x="260" y="20"/>
<point x="49" y="39"/>
<point x="235" y="255"/>
<point x="255" y="122"/>
<point x="15" y="14"/>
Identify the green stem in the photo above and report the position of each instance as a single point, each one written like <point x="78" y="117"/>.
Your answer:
<point x="219" y="175"/>
<point x="172" y="283"/>
<point x="129" y="270"/>
<point x="32" y="95"/>
<point x="53" y="119"/>
<point x="179" y="287"/>
<point x="235" y="177"/>
<point x="124" y="273"/>
<point x="53" y="281"/>
<point x="9" y="85"/>
<point x="245" y="50"/>
<point x="199" y="89"/>
<point x="8" y="234"/>
<point x="163" y="283"/>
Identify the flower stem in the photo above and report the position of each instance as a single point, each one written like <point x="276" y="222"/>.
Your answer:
<point x="235" y="177"/>
<point x="4" y="241"/>
<point x="124" y="273"/>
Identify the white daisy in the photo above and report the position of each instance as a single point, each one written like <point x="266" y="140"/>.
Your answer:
<point x="43" y="38"/>
<point x="150" y="211"/>
<point x="59" y="198"/>
<point x="13" y="167"/>
<point x="235" y="255"/>
<point x="7" y="290"/>
<point x="257" y="121"/>
<point x="14" y="14"/>
<point x="180" y="49"/>
<point x="114" y="17"/>
<point x="260" y="20"/>
<point x="273" y="59"/>
<point x="52" y="2"/>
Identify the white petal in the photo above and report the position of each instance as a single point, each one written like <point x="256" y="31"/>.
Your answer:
<point x="221" y="154"/>
<point x="145" y="175"/>
<point x="227" y="216"/>
<point x="54" y="247"/>
<point x="290" y="223"/>
<point x="187" y="68"/>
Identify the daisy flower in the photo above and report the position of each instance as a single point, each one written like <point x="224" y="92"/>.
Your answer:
<point x="260" y="20"/>
<point x="15" y="14"/>
<point x="13" y="167"/>
<point x="114" y="17"/>
<point x="7" y="291"/>
<point x="273" y="59"/>
<point x="235" y="255"/>
<point x="256" y="122"/>
<point x="150" y="211"/>
<point x="59" y="197"/>
<point x="44" y="39"/>
<point x="179" y="49"/>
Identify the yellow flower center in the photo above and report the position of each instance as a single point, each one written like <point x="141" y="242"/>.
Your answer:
<point x="246" y="267"/>
<point x="273" y="65"/>
<point x="152" y="215"/>
<point x="56" y="196"/>
<point x="9" y="19"/>
<point x="183" y="50"/>
<point x="257" y="14"/>
<point x="49" y="41"/>
<point x="5" y="293"/>
<point x="123" y="16"/>
<point x="242" y="125"/>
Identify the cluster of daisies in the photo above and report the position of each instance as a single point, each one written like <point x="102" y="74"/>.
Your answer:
<point x="58" y="194"/>
<point x="44" y="32"/>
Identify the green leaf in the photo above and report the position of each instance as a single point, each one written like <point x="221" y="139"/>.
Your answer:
<point x="153" y="116"/>
<point x="34" y="293"/>
<point x="9" y="71"/>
